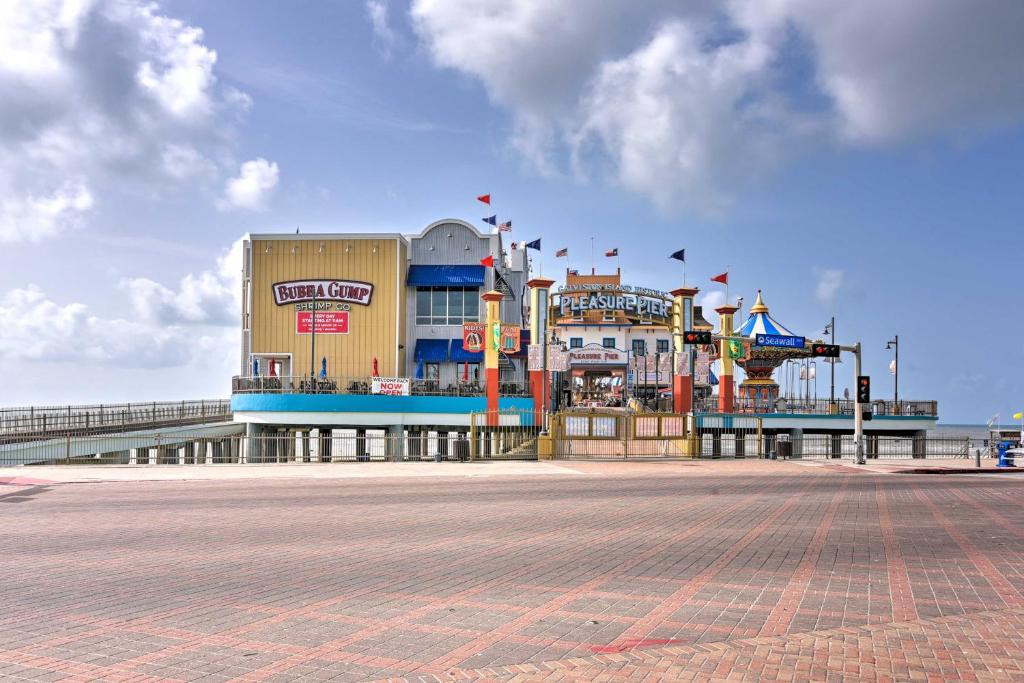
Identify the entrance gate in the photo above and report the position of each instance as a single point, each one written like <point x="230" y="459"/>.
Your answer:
<point x="596" y="435"/>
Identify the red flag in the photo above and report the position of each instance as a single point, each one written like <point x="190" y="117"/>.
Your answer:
<point x="723" y="278"/>
<point x="376" y="373"/>
<point x="487" y="261"/>
<point x="485" y="198"/>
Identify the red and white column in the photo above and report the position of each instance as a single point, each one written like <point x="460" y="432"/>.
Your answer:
<point x="492" y="302"/>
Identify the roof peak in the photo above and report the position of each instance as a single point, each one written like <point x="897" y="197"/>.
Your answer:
<point x="759" y="305"/>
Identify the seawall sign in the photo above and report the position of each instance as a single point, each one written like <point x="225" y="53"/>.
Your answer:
<point x="780" y="341"/>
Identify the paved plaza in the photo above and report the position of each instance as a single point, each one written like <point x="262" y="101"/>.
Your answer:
<point x="583" y="571"/>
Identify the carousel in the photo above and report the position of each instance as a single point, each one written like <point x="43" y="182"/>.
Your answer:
<point x="759" y="392"/>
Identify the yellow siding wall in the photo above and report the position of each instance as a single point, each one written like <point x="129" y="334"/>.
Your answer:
<point x="372" y="329"/>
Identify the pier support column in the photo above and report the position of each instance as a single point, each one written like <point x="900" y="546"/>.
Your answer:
<point x="323" y="442"/>
<point x="920" y="444"/>
<point x="682" y="320"/>
<point x="395" y="443"/>
<point x="835" y="445"/>
<point x="251" y="444"/>
<point x="796" y="436"/>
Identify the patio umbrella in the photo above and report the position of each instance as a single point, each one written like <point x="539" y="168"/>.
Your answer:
<point x="376" y="373"/>
<point x="323" y="368"/>
<point x="465" y="372"/>
<point x="419" y="369"/>
<point x="273" y="368"/>
<point x="255" y="367"/>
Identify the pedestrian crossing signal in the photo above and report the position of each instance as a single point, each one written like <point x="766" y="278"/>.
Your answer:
<point x="697" y="337"/>
<point x="863" y="389"/>
<point x="825" y="350"/>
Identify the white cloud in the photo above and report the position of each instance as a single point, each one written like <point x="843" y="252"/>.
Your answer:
<point x="385" y="37"/>
<point x="33" y="218"/>
<point x="212" y="297"/>
<point x="252" y="188"/>
<point x="98" y="89"/>
<point x="709" y="301"/>
<point x="687" y="105"/>
<point x="829" y="282"/>
<point x="169" y="328"/>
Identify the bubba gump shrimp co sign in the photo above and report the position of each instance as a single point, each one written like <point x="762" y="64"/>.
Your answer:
<point x="301" y="291"/>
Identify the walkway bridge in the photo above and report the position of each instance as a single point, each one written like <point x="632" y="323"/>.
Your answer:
<point x="115" y="433"/>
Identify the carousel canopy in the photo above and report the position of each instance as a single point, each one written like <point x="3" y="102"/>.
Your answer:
<point x="760" y="322"/>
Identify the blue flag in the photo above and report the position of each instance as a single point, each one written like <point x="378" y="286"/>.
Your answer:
<point x="419" y="369"/>
<point x="533" y="245"/>
<point x="493" y="220"/>
<point x="679" y="255"/>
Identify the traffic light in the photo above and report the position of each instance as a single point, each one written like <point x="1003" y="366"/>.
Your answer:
<point x="863" y="389"/>
<point x="697" y="337"/>
<point x="825" y="350"/>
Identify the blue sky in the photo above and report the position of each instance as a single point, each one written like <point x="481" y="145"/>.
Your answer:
<point x="861" y="161"/>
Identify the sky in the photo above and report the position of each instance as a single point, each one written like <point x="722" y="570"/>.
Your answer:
<point x="857" y="160"/>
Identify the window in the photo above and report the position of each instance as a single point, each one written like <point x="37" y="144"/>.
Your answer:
<point x="663" y="346"/>
<point x="432" y="371"/>
<point x="608" y="342"/>
<point x="575" y="342"/>
<point x="639" y="348"/>
<point x="447" y="305"/>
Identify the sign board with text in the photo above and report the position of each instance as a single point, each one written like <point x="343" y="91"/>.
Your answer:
<point x="779" y="341"/>
<point x="327" y="322"/>
<point x="390" y="386"/>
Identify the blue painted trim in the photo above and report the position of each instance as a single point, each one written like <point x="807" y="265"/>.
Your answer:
<point x="357" y="403"/>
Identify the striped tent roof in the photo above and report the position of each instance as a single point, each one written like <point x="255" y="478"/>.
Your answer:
<point x="760" y="322"/>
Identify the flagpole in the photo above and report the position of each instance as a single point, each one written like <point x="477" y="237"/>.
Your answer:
<point x="593" y="263"/>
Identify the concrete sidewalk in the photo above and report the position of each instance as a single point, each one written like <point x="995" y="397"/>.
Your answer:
<point x="66" y="474"/>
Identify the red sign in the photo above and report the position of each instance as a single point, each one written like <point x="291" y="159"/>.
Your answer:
<point x="327" y="322"/>
<point x="473" y="337"/>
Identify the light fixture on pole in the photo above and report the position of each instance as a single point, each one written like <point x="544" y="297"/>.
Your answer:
<point x="894" y="343"/>
<point x="831" y="329"/>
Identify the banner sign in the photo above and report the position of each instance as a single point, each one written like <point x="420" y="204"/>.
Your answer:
<point x="296" y="291"/>
<point x="597" y="356"/>
<point x="780" y="340"/>
<point x="327" y="322"/>
<point x="558" y="359"/>
<point x="535" y="356"/>
<point x="390" y="386"/>
<point x="473" y="336"/>
<point x="702" y="368"/>
<point x="683" y="364"/>
<point x="510" y="338"/>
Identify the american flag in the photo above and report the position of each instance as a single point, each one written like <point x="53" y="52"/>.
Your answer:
<point x="562" y="252"/>
<point x="505" y="227"/>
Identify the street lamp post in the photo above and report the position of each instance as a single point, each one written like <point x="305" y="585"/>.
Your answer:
<point x="831" y="329"/>
<point x="894" y="343"/>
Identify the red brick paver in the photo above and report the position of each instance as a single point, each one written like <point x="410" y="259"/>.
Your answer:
<point x="629" y="571"/>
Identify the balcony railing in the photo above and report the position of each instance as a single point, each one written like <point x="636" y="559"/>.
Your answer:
<point x="95" y="419"/>
<point x="823" y="406"/>
<point x="364" y="386"/>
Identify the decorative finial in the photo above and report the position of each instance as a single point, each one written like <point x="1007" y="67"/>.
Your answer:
<point x="759" y="306"/>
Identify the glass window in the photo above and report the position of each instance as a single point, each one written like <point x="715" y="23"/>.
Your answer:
<point x="639" y="348"/>
<point x="432" y="371"/>
<point x="575" y="342"/>
<point x="608" y="342"/>
<point x="447" y="305"/>
<point x="663" y="346"/>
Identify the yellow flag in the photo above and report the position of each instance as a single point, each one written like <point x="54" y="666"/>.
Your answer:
<point x="1018" y="416"/>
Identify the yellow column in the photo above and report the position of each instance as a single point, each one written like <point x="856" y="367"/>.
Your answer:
<point x="726" y="385"/>
<point x="492" y="302"/>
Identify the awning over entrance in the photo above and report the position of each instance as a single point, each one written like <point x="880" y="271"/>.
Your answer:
<point x="446" y="276"/>
<point x="431" y="350"/>
<point x="460" y="355"/>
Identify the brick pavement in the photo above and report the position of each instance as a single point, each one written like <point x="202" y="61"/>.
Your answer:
<point x="624" y="571"/>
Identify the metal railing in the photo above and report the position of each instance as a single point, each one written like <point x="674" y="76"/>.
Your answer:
<point x="364" y="386"/>
<point x="30" y="422"/>
<point x="823" y="406"/>
<point x="304" y="446"/>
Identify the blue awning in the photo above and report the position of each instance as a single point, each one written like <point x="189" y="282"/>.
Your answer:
<point x="431" y="350"/>
<point x="446" y="276"/>
<point x="460" y="355"/>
